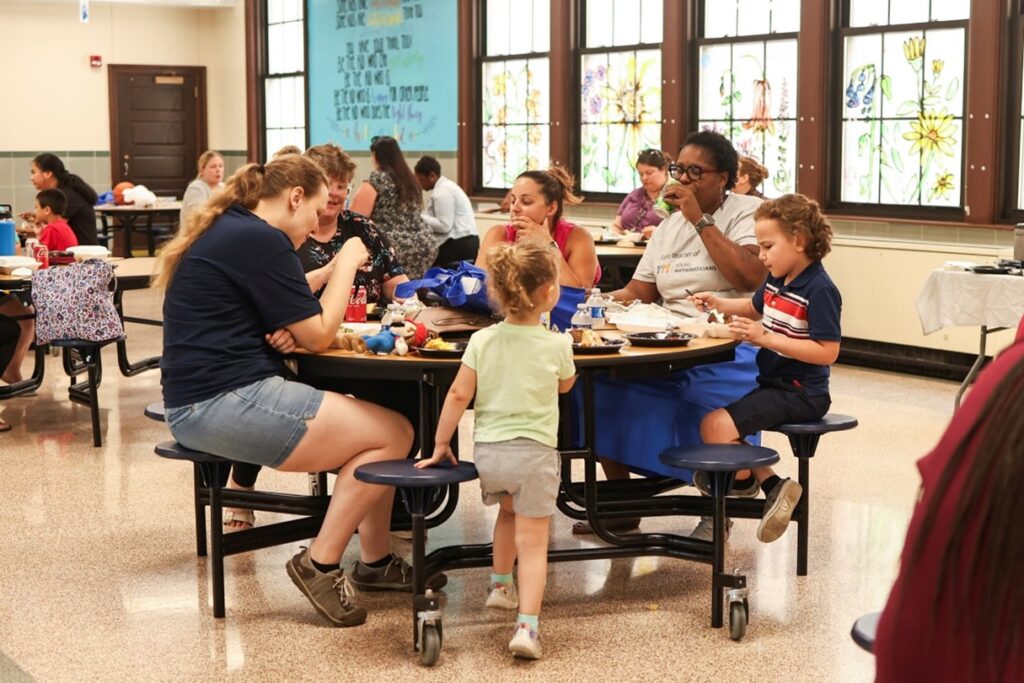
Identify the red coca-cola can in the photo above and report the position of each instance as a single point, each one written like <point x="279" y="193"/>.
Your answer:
<point x="356" y="311"/>
<point x="41" y="254"/>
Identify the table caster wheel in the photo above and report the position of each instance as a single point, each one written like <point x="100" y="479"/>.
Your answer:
<point x="430" y="645"/>
<point x="737" y="620"/>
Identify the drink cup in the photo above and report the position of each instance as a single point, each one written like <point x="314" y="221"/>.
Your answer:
<point x="356" y="311"/>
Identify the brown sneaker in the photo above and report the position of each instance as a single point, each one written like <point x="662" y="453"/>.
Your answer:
<point x="396" y="576"/>
<point x="328" y="591"/>
<point x="778" y="510"/>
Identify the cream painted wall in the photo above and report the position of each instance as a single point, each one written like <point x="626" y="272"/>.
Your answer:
<point x="54" y="100"/>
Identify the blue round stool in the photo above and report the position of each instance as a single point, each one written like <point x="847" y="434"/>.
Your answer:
<point x="803" y="439"/>
<point x="864" y="631"/>
<point x="212" y="471"/>
<point x="155" y="411"/>
<point x="722" y="461"/>
<point x="416" y="487"/>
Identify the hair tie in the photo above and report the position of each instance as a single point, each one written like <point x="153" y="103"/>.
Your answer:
<point x="261" y="169"/>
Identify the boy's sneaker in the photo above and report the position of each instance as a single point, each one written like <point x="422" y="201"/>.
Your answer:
<point x="705" y="529"/>
<point x="395" y="576"/>
<point x="702" y="480"/>
<point x="525" y="642"/>
<point x="503" y="596"/>
<point x="778" y="509"/>
<point x="328" y="591"/>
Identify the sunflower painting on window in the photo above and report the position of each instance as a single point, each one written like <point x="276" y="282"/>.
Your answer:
<point x="620" y="104"/>
<point x="902" y="125"/>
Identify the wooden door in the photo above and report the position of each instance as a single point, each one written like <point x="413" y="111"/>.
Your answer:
<point x="157" y="125"/>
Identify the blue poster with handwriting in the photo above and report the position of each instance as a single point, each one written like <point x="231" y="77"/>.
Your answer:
<point x="383" y="67"/>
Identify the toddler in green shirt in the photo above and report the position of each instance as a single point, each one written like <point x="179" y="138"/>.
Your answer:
<point x="516" y="369"/>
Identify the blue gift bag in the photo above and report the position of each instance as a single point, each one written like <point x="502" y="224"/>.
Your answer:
<point x="569" y="299"/>
<point x="462" y="287"/>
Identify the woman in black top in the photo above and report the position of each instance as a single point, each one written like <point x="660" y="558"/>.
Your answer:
<point x="48" y="172"/>
<point x="236" y="300"/>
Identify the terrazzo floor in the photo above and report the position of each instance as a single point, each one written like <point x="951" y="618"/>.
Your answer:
<point x="101" y="581"/>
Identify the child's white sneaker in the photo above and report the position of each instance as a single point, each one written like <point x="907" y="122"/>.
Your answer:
<point x="503" y="596"/>
<point x="525" y="642"/>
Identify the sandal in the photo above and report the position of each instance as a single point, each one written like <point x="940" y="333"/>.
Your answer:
<point x="238" y="520"/>
<point x="623" y="524"/>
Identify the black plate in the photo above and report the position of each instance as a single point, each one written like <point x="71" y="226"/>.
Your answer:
<point x="660" y="338"/>
<point x="604" y="240"/>
<point x="991" y="270"/>
<point x="610" y="346"/>
<point x="460" y="348"/>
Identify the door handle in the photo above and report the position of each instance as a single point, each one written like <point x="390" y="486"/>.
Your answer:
<point x="125" y="166"/>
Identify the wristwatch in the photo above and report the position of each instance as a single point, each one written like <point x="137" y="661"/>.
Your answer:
<point x="705" y="220"/>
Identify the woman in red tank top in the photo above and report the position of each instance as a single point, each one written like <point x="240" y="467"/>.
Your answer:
<point x="538" y="198"/>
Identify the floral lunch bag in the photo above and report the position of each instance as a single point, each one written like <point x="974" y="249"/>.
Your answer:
<point x="75" y="302"/>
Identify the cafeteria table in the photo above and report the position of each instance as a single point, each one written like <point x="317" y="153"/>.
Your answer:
<point x="597" y="502"/>
<point x="955" y="298"/>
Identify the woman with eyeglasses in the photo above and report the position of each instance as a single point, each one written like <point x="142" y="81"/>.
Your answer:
<point x="393" y="200"/>
<point x="707" y="245"/>
<point x="636" y="212"/>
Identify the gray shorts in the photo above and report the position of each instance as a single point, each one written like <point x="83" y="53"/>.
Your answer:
<point x="525" y="469"/>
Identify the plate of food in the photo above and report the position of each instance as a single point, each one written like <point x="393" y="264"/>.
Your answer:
<point x="666" y="338"/>
<point x="590" y="343"/>
<point x="439" y="348"/>
<point x="991" y="270"/>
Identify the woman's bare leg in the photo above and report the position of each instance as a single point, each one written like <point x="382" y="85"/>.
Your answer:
<point x="12" y="307"/>
<point x="347" y="433"/>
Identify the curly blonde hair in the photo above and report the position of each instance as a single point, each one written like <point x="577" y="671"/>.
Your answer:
<point x="799" y="215"/>
<point x="517" y="270"/>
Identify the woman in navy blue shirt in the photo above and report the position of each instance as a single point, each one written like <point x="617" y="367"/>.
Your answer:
<point x="236" y="300"/>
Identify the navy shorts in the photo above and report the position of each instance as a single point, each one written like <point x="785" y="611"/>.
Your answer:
<point x="770" y="406"/>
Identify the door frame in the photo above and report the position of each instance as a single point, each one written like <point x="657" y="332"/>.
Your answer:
<point x="115" y="70"/>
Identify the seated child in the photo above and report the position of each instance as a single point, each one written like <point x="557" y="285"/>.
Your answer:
<point x="51" y="228"/>
<point x="516" y="425"/>
<point x="798" y="307"/>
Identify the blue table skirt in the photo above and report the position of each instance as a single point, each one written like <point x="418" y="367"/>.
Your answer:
<point x="637" y="419"/>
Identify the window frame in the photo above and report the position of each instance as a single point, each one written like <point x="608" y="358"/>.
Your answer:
<point x="577" y="107"/>
<point x="263" y="153"/>
<point x="834" y="115"/>
<point x="1014" y="111"/>
<point x="480" y="58"/>
<point x="698" y="41"/>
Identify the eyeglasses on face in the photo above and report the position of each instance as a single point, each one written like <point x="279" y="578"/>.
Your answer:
<point x="694" y="171"/>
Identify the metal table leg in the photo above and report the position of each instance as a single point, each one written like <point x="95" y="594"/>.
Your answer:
<point x="976" y="368"/>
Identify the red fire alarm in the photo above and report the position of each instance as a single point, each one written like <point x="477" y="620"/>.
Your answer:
<point x="95" y="61"/>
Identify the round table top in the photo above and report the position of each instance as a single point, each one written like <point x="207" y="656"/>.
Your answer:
<point x="629" y="355"/>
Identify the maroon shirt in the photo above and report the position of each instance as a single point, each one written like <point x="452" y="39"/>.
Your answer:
<point x="903" y="651"/>
<point x="637" y="211"/>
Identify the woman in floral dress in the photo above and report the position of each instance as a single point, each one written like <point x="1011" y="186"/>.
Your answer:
<point x="393" y="200"/>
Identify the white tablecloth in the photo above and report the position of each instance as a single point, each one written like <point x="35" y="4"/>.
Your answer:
<point x="953" y="298"/>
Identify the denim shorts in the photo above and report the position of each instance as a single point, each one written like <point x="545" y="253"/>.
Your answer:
<point x="260" y="423"/>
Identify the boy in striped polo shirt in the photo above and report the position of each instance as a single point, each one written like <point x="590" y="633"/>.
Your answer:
<point x="794" y="319"/>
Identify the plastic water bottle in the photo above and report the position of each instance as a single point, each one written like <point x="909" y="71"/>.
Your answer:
<point x="597" y="305"/>
<point x="581" y="319"/>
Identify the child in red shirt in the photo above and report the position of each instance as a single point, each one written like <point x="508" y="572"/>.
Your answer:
<point x="51" y="228"/>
